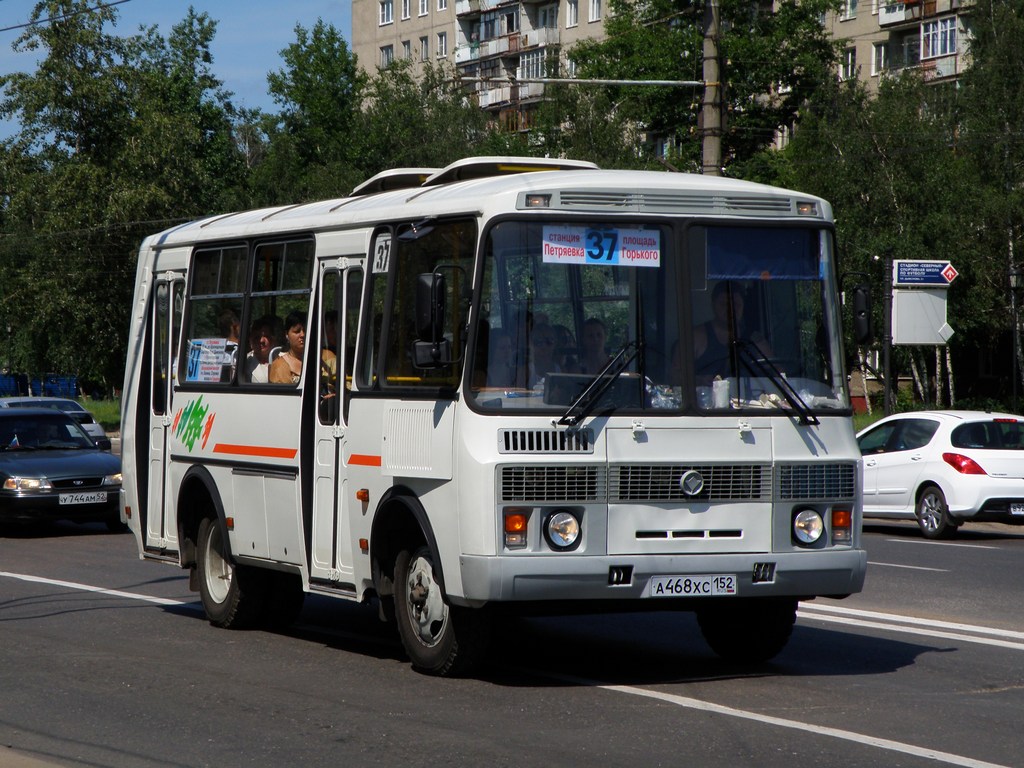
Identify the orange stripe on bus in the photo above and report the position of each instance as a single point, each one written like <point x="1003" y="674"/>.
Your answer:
<point x="255" y="450"/>
<point x="364" y="460"/>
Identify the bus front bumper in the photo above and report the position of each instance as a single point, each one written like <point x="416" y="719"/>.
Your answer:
<point x="576" y="577"/>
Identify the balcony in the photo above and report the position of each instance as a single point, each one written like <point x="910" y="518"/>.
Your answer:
<point x="464" y="7"/>
<point x="540" y="36"/>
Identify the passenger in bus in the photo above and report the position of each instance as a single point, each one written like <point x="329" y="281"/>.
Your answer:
<point x="287" y="368"/>
<point x="594" y="355"/>
<point x="542" y="354"/>
<point x="331" y="330"/>
<point x="501" y="362"/>
<point x="263" y="336"/>
<point x="229" y="326"/>
<point x="565" y="348"/>
<point x="713" y="340"/>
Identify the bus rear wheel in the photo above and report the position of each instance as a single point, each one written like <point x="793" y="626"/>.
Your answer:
<point x="231" y="594"/>
<point x="440" y="639"/>
<point x="747" y="631"/>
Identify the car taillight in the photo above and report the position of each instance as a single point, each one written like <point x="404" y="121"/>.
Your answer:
<point x="963" y="464"/>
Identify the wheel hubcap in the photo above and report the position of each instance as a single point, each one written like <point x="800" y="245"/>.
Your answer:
<point x="931" y="512"/>
<point x="426" y="605"/>
<point x="218" y="570"/>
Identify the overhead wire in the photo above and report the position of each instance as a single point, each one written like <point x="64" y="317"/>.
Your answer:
<point x="63" y="17"/>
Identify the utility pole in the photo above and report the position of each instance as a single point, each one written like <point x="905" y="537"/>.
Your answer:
<point x="711" y="109"/>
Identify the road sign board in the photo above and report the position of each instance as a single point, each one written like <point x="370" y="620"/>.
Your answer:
<point x="930" y="273"/>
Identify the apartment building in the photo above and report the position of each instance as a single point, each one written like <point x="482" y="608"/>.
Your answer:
<point x="497" y="46"/>
<point x="883" y="38"/>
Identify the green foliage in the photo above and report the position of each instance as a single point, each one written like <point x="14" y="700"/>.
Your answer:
<point x="118" y="137"/>
<point x="410" y="121"/>
<point x="773" y="58"/>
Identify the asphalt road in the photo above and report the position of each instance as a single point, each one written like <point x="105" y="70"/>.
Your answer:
<point x="106" y="660"/>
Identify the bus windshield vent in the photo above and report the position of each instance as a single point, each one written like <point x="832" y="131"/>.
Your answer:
<point x="545" y="441"/>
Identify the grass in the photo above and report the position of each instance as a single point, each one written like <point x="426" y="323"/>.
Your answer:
<point x="106" y="412"/>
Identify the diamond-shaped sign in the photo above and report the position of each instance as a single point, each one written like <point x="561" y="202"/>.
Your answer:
<point x="949" y="273"/>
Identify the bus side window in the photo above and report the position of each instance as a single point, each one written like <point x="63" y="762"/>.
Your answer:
<point x="214" y="312"/>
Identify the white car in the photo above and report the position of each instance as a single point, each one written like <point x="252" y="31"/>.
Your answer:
<point x="944" y="468"/>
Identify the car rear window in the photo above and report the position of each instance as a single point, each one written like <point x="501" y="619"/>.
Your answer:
<point x="1003" y="435"/>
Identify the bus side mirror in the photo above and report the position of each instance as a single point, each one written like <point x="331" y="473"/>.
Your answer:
<point x="862" y="314"/>
<point x="431" y="349"/>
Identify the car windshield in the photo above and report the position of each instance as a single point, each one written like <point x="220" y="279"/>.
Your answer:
<point x="706" y="318"/>
<point x="42" y="432"/>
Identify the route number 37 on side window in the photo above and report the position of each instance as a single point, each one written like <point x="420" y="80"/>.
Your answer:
<point x="692" y="586"/>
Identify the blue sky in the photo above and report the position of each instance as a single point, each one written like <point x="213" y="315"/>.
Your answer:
<point x="250" y="35"/>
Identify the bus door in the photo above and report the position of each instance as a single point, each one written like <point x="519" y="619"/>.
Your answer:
<point x="331" y="545"/>
<point x="165" y="327"/>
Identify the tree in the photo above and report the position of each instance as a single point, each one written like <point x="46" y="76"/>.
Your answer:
<point x="119" y="137"/>
<point x="319" y="90"/>
<point x="416" y="121"/>
<point x="773" y="57"/>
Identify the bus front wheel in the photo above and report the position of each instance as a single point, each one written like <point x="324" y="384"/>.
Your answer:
<point x="440" y="639"/>
<point x="747" y="631"/>
<point x="230" y="593"/>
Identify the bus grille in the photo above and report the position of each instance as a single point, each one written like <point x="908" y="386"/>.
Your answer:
<point x="817" y="481"/>
<point x="560" y="484"/>
<point x="736" y="482"/>
<point x="545" y="441"/>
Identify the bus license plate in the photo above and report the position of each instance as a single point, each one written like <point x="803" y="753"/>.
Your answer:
<point x="712" y="585"/>
<point x="100" y="497"/>
<point x="1017" y="509"/>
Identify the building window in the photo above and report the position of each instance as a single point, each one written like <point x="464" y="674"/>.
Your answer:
<point x="879" y="58"/>
<point x="406" y="49"/>
<point x="442" y="5"/>
<point x="906" y="52"/>
<point x="938" y="38"/>
<point x="424" y="49"/>
<point x="387" y="55"/>
<point x="531" y="65"/>
<point x="442" y="45"/>
<point x="572" y="13"/>
<point x="423" y="7"/>
<point x="595" y="10"/>
<point x="387" y="10"/>
<point x="406" y="5"/>
<point x="849" y="10"/>
<point x="849" y="65"/>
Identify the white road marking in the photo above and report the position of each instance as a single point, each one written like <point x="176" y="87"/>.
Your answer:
<point x="796" y="725"/>
<point x="942" y="543"/>
<point x="911" y="567"/>
<point x="88" y="588"/>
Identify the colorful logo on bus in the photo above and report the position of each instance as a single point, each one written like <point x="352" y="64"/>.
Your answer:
<point x="193" y="422"/>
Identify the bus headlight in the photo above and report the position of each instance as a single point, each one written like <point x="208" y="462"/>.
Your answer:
<point x="808" y="526"/>
<point x="562" y="529"/>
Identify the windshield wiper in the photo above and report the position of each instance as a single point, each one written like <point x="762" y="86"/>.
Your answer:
<point x="602" y="382"/>
<point x="758" y="364"/>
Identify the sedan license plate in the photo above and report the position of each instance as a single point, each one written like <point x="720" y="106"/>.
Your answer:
<point x="99" y="497"/>
<point x="1017" y="509"/>
<point x="710" y="585"/>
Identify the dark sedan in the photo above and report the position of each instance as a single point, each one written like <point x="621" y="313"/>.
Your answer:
<point x="50" y="469"/>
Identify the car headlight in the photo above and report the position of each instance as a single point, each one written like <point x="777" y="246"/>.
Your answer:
<point x="112" y="479"/>
<point x="562" y="529"/>
<point x="27" y="484"/>
<point x="808" y="526"/>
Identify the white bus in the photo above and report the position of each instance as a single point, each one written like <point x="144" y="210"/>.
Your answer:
<point x="506" y="385"/>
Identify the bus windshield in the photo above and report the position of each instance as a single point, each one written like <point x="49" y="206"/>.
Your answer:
<point x="598" y="317"/>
